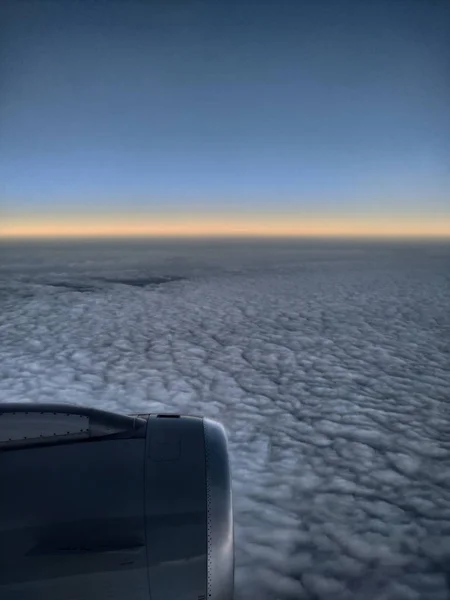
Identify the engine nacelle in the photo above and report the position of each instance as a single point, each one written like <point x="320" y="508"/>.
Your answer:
<point x="99" y="505"/>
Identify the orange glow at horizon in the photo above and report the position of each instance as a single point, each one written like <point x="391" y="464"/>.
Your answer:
<point x="248" y="226"/>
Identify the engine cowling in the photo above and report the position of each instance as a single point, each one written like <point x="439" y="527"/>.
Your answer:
<point x="99" y="505"/>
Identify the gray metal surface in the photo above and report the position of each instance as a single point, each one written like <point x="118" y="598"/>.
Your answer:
<point x="69" y="511"/>
<point x="175" y="502"/>
<point x="220" y="530"/>
<point x="99" y="505"/>
<point x="31" y="425"/>
<point x="16" y="426"/>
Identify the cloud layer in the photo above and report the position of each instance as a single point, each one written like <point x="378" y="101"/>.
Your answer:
<point x="328" y="365"/>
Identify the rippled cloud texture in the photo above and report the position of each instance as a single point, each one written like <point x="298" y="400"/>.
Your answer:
<point x="328" y="365"/>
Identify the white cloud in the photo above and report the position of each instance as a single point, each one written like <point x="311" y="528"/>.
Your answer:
<point x="330" y="376"/>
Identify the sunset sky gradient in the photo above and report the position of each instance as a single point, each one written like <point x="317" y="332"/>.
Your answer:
<point x="237" y="118"/>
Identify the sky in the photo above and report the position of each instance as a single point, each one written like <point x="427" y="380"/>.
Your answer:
<point x="207" y="117"/>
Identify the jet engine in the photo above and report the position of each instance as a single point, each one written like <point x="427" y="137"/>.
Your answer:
<point x="100" y="505"/>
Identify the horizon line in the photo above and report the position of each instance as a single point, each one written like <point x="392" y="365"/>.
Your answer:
<point x="174" y="237"/>
<point x="188" y="226"/>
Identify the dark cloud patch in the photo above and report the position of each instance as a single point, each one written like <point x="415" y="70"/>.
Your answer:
<point x="8" y="294"/>
<point x="331" y="377"/>
<point x="73" y="287"/>
<point x="142" y="281"/>
<point x="97" y="284"/>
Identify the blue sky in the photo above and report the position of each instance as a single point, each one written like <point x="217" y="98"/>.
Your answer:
<point x="331" y="107"/>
